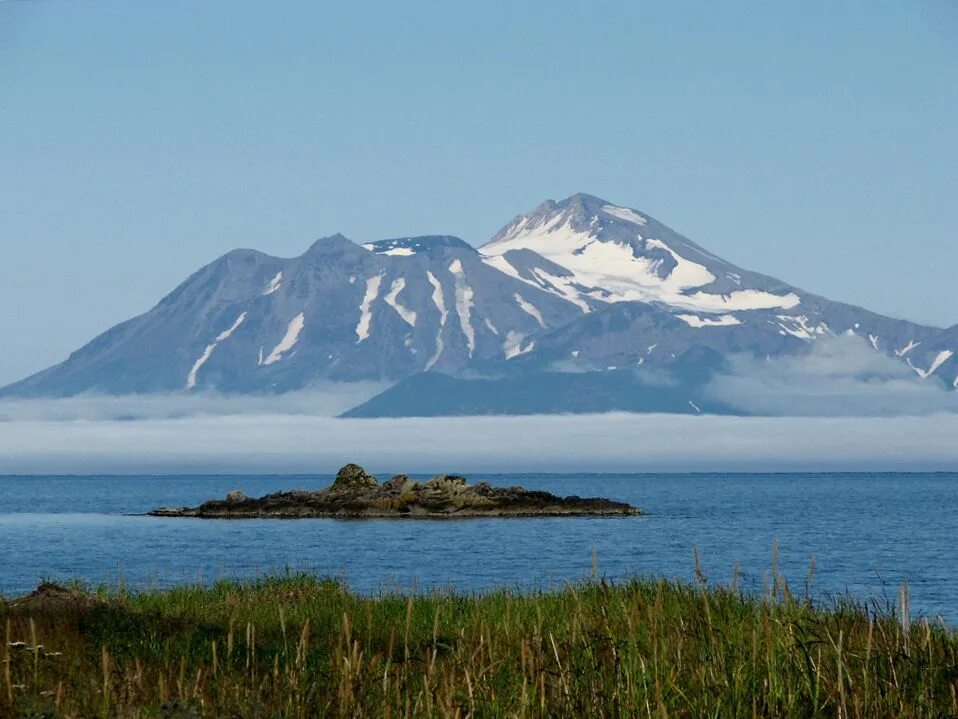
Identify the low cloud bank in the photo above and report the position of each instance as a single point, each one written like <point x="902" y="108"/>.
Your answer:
<point x="273" y="443"/>
<point x="838" y="377"/>
<point x="903" y="424"/>
<point x="324" y="400"/>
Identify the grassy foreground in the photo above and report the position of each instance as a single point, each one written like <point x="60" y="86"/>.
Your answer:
<point x="299" y="646"/>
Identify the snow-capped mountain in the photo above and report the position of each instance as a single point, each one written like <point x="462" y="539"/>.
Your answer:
<point x="614" y="254"/>
<point x="563" y="310"/>
<point x="249" y="322"/>
<point x="649" y="292"/>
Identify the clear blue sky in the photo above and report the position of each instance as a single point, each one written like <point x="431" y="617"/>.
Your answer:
<point x="815" y="141"/>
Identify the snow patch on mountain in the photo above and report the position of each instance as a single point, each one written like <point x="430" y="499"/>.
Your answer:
<point x="439" y="301"/>
<point x="289" y="340"/>
<point x="393" y="249"/>
<point x="529" y="309"/>
<point x="365" y="309"/>
<point x="408" y="315"/>
<point x="499" y="262"/>
<point x="208" y="352"/>
<point x="274" y="284"/>
<point x="564" y="286"/>
<point x="907" y="348"/>
<point x="720" y="321"/>
<point x="400" y="252"/>
<point x="512" y="347"/>
<point x="685" y="273"/>
<point x="740" y="300"/>
<point x="624" y="213"/>
<point x="464" y="297"/>
<point x="800" y="326"/>
<point x="939" y="360"/>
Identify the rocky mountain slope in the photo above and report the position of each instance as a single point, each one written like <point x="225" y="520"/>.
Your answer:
<point x="571" y="307"/>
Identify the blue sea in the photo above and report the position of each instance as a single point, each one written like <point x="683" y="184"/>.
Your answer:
<point x="868" y="533"/>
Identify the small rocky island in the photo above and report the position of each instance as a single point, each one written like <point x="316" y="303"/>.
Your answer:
<point x="356" y="494"/>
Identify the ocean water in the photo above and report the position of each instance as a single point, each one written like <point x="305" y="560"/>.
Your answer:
<point x="867" y="533"/>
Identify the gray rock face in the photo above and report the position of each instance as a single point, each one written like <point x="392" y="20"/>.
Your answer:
<point x="578" y="286"/>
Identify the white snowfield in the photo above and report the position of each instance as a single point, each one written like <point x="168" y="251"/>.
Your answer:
<point x="289" y="340"/>
<point x="611" y="272"/>
<point x="720" y="321"/>
<point x="392" y="299"/>
<point x="464" y="296"/>
<point x="274" y="284"/>
<point x="440" y="302"/>
<point x="208" y="352"/>
<point x="392" y="251"/>
<point x="365" y="309"/>
<point x="939" y="360"/>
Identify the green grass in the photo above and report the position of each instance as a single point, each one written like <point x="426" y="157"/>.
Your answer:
<point x="300" y="646"/>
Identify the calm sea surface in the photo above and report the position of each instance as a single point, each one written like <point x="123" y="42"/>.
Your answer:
<point x="867" y="532"/>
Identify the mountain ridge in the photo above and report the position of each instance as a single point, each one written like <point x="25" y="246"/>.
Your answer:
<point x="578" y="283"/>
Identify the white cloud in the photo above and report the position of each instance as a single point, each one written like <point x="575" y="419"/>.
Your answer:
<point x="281" y="443"/>
<point x="841" y="376"/>
<point x="326" y="399"/>
<point x="298" y="432"/>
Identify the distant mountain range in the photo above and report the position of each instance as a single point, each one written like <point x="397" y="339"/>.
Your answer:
<point x="577" y="306"/>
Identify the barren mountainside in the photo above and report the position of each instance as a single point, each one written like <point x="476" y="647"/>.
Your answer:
<point x="569" y="307"/>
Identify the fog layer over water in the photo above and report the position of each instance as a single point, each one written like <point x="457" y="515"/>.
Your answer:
<point x="899" y="422"/>
<point x="283" y="443"/>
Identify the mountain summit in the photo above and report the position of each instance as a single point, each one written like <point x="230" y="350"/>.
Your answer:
<point x="616" y="254"/>
<point x="562" y="310"/>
